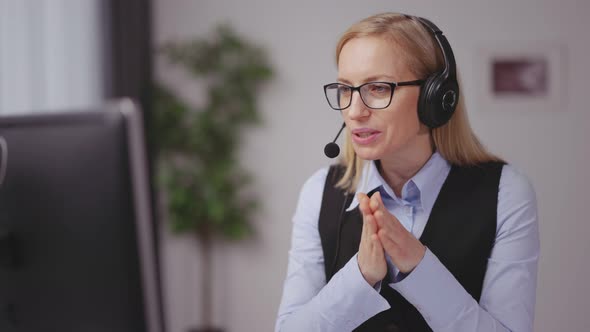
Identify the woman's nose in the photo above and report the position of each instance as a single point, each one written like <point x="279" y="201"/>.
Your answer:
<point x="357" y="108"/>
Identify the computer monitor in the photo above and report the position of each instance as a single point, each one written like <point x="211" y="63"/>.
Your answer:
<point x="77" y="249"/>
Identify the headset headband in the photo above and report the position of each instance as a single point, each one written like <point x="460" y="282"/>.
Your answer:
<point x="447" y="52"/>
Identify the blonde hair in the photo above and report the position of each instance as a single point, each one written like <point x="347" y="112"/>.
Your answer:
<point x="455" y="141"/>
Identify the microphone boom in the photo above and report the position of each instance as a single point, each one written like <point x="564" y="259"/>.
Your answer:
<point x="332" y="150"/>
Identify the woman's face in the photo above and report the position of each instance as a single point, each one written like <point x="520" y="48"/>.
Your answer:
<point x="393" y="132"/>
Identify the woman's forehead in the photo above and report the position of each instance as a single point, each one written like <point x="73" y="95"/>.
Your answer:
<point x="368" y="58"/>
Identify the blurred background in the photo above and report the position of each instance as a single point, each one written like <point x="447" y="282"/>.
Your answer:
<point x="70" y="54"/>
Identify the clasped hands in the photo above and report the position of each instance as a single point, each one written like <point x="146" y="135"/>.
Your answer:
<point x="383" y="233"/>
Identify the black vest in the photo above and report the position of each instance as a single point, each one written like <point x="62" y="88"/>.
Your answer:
<point x="460" y="231"/>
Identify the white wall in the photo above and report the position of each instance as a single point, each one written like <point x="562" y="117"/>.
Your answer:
<point x="50" y="55"/>
<point x="300" y="37"/>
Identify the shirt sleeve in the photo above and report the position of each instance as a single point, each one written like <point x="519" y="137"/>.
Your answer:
<point x="308" y="303"/>
<point x="507" y="301"/>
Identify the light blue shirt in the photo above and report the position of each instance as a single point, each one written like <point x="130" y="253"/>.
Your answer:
<point x="507" y="300"/>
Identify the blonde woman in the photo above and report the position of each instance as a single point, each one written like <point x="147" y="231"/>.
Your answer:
<point x="418" y="228"/>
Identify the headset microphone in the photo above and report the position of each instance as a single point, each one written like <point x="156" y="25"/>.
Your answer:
<point x="331" y="150"/>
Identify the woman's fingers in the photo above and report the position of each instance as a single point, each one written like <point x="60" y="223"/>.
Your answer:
<point x="404" y="249"/>
<point x="371" y="258"/>
<point x="371" y="225"/>
<point x="364" y="201"/>
<point x="376" y="246"/>
<point x="384" y="231"/>
<point x="376" y="203"/>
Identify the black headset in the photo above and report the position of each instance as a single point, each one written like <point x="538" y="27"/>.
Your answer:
<point x="439" y="95"/>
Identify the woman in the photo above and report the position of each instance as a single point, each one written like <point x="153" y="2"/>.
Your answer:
<point x="419" y="228"/>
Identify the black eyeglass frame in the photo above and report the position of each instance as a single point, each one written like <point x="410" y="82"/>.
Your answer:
<point x="393" y="85"/>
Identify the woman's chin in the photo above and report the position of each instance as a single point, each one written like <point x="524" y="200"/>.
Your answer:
<point x="367" y="153"/>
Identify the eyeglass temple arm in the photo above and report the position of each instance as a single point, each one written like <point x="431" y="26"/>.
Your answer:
<point x="415" y="82"/>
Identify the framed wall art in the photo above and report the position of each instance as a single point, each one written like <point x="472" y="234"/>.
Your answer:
<point x="521" y="77"/>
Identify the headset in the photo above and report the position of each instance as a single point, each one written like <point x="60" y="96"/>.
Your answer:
<point x="439" y="95"/>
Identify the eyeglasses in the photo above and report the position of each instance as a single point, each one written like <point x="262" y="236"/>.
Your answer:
<point x="375" y="95"/>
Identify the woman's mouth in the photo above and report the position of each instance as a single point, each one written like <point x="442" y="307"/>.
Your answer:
<point x="364" y="136"/>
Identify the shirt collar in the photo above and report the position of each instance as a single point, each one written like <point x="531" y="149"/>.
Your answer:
<point x="421" y="190"/>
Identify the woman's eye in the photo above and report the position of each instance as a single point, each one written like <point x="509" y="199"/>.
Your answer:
<point x="343" y="90"/>
<point x="379" y="88"/>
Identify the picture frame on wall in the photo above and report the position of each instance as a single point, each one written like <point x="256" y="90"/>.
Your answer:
<point x="521" y="77"/>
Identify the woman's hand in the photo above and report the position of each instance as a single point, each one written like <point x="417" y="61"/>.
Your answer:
<point x="371" y="258"/>
<point x="404" y="249"/>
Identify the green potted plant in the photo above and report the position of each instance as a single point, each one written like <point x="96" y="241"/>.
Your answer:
<point x="197" y="166"/>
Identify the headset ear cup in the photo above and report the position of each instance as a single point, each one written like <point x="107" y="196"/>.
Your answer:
<point x="438" y="101"/>
<point x="449" y="99"/>
<point x="426" y="113"/>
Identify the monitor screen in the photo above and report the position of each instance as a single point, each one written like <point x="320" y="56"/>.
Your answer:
<point x="77" y="249"/>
